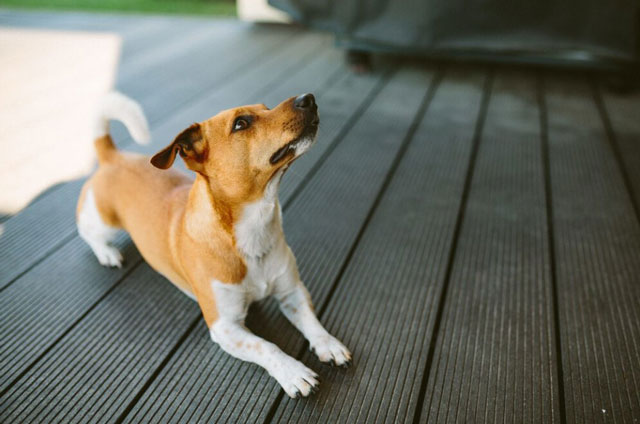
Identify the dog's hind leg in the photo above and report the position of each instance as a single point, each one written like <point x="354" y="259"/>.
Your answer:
<point x="96" y="232"/>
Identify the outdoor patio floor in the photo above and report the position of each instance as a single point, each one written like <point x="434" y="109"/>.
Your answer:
<point x="471" y="233"/>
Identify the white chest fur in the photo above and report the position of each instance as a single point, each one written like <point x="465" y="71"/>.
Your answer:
<point x="260" y="239"/>
<point x="259" y="226"/>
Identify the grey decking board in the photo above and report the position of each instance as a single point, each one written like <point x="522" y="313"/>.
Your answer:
<point x="248" y="391"/>
<point x="597" y="240"/>
<point x="383" y="308"/>
<point x="31" y="235"/>
<point x="25" y="241"/>
<point x="494" y="358"/>
<point x="94" y="354"/>
<point x="170" y="87"/>
<point x="49" y="300"/>
<point x="140" y="37"/>
<point x="137" y="35"/>
<point x="167" y="50"/>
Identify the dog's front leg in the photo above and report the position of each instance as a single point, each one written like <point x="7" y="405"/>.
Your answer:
<point x="229" y="331"/>
<point x="295" y="304"/>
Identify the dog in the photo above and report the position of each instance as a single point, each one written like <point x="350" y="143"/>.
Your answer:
<point x="217" y="238"/>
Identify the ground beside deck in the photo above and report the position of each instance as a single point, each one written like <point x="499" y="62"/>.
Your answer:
<point x="472" y="234"/>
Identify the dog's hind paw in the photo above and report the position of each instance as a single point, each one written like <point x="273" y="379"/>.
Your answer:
<point x="108" y="256"/>
<point x="329" y="349"/>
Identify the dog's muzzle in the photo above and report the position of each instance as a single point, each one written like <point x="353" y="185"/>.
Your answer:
<point x="307" y="104"/>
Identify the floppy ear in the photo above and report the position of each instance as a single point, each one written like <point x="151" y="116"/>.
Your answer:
<point x="188" y="143"/>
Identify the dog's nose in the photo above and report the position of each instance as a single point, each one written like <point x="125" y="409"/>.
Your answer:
<point x="304" y="101"/>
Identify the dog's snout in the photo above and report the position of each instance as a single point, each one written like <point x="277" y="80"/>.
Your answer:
<point x="304" y="101"/>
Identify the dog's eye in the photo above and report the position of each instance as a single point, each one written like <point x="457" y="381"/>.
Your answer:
<point x="241" y="123"/>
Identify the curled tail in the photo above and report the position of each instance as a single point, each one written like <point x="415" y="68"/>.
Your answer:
<point x="119" y="107"/>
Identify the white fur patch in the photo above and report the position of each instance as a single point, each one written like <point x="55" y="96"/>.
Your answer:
<point x="232" y="300"/>
<point x="259" y="227"/>
<point x="97" y="234"/>
<point x="303" y="145"/>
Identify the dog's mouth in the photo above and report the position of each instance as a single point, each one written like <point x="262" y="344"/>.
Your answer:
<point x="298" y="145"/>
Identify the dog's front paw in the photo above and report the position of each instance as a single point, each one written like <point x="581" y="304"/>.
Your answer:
<point x="295" y="378"/>
<point x="329" y="349"/>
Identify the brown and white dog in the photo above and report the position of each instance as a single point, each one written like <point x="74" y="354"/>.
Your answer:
<point x="218" y="238"/>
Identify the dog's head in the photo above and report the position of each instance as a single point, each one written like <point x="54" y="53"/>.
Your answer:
<point x="241" y="149"/>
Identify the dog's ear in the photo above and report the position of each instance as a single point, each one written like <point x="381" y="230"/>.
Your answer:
<point x="189" y="144"/>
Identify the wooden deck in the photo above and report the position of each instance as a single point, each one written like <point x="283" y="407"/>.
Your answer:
<point x="472" y="234"/>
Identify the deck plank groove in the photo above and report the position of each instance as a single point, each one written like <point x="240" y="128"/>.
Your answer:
<point x="474" y="240"/>
<point x="544" y="135"/>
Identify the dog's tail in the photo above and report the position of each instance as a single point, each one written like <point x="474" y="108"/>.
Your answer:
<point x="119" y="107"/>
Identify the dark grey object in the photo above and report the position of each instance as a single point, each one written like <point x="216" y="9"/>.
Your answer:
<point x="541" y="31"/>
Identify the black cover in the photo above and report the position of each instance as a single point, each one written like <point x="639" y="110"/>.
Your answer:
<point x="549" y="30"/>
